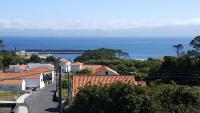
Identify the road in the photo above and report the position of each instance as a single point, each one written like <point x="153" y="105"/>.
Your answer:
<point x="41" y="101"/>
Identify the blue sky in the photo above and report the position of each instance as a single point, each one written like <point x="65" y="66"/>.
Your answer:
<point x="107" y="15"/>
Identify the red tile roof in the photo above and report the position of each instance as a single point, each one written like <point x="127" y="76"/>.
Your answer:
<point x="77" y="63"/>
<point x="80" y="81"/>
<point x="6" y="76"/>
<point x="93" y="67"/>
<point x="103" y="68"/>
<point x="11" y="82"/>
<point x="40" y="69"/>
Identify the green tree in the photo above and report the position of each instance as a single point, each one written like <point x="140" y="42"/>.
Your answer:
<point x="116" y="98"/>
<point x="35" y="59"/>
<point x="101" y="53"/>
<point x="179" y="48"/>
<point x="85" y="71"/>
<point x="195" y="43"/>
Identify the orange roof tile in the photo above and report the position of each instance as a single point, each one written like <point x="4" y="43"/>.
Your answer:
<point x="93" y="67"/>
<point x="80" y="81"/>
<point x="102" y="68"/>
<point x="40" y="69"/>
<point x="77" y="63"/>
<point x="11" y="82"/>
<point x="7" y="76"/>
<point x="64" y="60"/>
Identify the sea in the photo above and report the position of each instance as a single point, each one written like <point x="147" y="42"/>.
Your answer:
<point x="138" y="47"/>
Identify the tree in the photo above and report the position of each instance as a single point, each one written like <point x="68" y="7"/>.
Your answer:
<point x="178" y="48"/>
<point x="85" y="71"/>
<point x="35" y="59"/>
<point x="101" y="53"/>
<point x="116" y="98"/>
<point x="195" y="43"/>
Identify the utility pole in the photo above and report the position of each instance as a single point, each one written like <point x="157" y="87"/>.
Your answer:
<point x="60" y="90"/>
<point x="56" y="71"/>
<point x="68" y="86"/>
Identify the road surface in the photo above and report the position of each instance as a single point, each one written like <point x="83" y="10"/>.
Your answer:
<point x="42" y="101"/>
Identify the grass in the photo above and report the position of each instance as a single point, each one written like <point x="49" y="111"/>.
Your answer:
<point x="64" y="93"/>
<point x="9" y="95"/>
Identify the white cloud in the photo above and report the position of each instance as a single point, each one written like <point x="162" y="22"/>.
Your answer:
<point x="85" y="24"/>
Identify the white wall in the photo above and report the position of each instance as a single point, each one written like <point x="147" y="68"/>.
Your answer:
<point x="104" y="72"/>
<point x="53" y="76"/>
<point x="66" y="67"/>
<point x="23" y="85"/>
<point x="42" y="84"/>
<point x="75" y="68"/>
<point x="35" y="82"/>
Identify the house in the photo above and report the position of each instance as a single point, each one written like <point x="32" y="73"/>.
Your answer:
<point x="18" y="68"/>
<point x="75" y="66"/>
<point x="22" y="68"/>
<point x="12" y="85"/>
<point x="80" y="81"/>
<point x="48" y="75"/>
<point x="46" y="69"/>
<point x="25" y="80"/>
<point x="96" y="69"/>
<point x="65" y="64"/>
<point x="104" y="70"/>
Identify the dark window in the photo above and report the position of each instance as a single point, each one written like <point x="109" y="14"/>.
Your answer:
<point x="106" y="73"/>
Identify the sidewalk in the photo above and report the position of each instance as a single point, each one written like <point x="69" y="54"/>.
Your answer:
<point x="21" y="108"/>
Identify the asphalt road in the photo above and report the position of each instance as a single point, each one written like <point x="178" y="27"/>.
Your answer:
<point x="42" y="101"/>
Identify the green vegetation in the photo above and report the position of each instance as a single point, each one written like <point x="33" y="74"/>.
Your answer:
<point x="85" y="71"/>
<point x="178" y="48"/>
<point x="100" y="54"/>
<point x="185" y="69"/>
<point x="115" y="59"/>
<point x="9" y="58"/>
<point x="127" y="98"/>
<point x="9" y="95"/>
<point x="125" y="66"/>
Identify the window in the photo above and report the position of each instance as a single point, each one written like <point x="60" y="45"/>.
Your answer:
<point x="106" y="73"/>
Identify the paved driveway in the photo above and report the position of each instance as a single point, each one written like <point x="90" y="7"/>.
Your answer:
<point x="41" y="101"/>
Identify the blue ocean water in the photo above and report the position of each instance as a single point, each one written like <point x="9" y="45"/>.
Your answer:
<point x="138" y="48"/>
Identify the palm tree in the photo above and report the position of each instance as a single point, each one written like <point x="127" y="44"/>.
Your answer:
<point x="178" y="48"/>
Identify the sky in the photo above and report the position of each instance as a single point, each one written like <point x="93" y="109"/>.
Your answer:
<point x="100" y="17"/>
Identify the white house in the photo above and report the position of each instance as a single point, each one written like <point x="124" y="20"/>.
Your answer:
<point x="18" y="68"/>
<point x="12" y="85"/>
<point x="104" y="70"/>
<point x="46" y="69"/>
<point x="34" y="81"/>
<point x="48" y="75"/>
<point x="76" y="66"/>
<point x="65" y="64"/>
<point x="21" y="80"/>
<point x="96" y="69"/>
